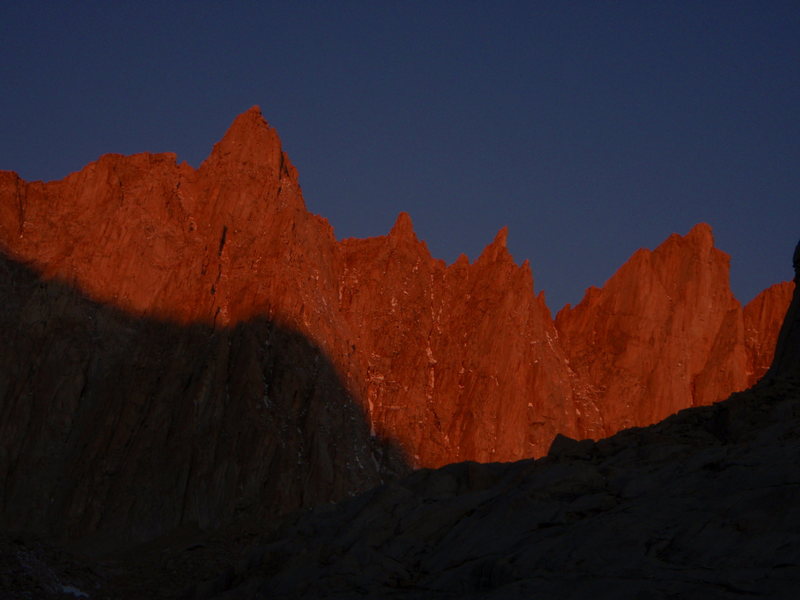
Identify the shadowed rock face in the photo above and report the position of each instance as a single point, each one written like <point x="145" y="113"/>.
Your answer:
<point x="458" y="362"/>
<point x="701" y="505"/>
<point x="119" y="429"/>
<point x="786" y="364"/>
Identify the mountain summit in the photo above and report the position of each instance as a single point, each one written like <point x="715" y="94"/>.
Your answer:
<point x="164" y="306"/>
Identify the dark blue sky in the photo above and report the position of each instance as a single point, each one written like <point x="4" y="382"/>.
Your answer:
<point x="589" y="128"/>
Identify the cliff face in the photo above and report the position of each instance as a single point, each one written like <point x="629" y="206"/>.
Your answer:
<point x="461" y="361"/>
<point x="642" y="513"/>
<point x="762" y="322"/>
<point x="160" y="370"/>
<point x="453" y="362"/>
<point x="664" y="333"/>
<point x="117" y="429"/>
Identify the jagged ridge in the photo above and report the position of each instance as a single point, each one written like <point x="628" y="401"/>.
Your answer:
<point x="702" y="505"/>
<point x="458" y="362"/>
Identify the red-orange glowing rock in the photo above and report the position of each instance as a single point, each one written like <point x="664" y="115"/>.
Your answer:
<point x="461" y="362"/>
<point x="666" y="333"/>
<point x="455" y="362"/>
<point x="763" y="317"/>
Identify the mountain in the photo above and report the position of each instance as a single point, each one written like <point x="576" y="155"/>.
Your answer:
<point x="192" y="346"/>
<point x="701" y="505"/>
<point x="666" y="333"/>
<point x="142" y="389"/>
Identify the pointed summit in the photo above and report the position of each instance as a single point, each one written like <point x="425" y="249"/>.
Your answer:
<point x="250" y="124"/>
<point x="501" y="238"/>
<point x="403" y="228"/>
<point x="249" y="142"/>
<point x="497" y="248"/>
<point x="250" y="120"/>
<point x="701" y="235"/>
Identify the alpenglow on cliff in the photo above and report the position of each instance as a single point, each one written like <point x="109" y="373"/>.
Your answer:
<point x="205" y="317"/>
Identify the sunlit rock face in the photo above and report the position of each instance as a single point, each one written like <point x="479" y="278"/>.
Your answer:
<point x="665" y="333"/>
<point x="462" y="362"/>
<point x="158" y="369"/>
<point x="453" y="362"/>
<point x="701" y="505"/>
<point x="762" y="322"/>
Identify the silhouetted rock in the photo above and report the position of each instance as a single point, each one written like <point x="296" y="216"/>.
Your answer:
<point x="787" y="353"/>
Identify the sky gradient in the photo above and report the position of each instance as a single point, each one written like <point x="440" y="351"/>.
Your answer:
<point x="591" y="129"/>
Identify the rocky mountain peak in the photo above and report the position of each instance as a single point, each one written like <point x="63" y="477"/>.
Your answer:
<point x="701" y="235"/>
<point x="403" y="228"/>
<point x="449" y="363"/>
<point x="497" y="249"/>
<point x="250" y="147"/>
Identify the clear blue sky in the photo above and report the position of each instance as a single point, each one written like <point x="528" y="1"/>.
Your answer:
<point x="589" y="128"/>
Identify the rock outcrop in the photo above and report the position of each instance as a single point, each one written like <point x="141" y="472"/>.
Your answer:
<point x="701" y="505"/>
<point x="118" y="429"/>
<point x="156" y="311"/>
<point x="665" y="333"/>
<point x="448" y="348"/>
<point x="763" y="317"/>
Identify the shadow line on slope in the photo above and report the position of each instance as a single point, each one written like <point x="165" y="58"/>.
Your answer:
<point x="118" y="429"/>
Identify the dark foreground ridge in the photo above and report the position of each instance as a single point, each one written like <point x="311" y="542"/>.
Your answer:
<point x="124" y="436"/>
<point x="705" y="504"/>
